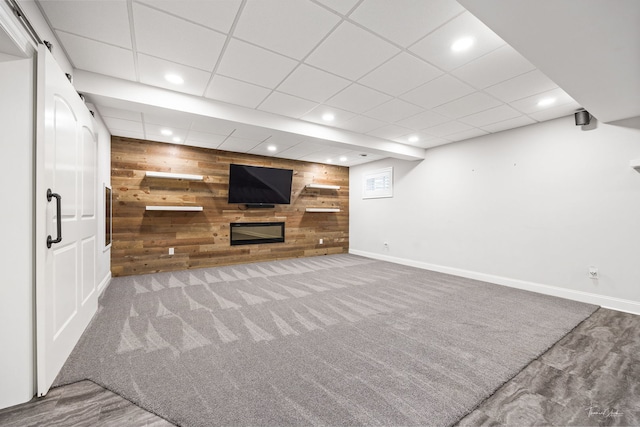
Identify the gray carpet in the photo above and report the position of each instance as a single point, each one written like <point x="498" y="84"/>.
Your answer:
<point x="334" y="340"/>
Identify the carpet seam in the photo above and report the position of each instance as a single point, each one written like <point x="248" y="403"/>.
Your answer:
<point x="523" y="368"/>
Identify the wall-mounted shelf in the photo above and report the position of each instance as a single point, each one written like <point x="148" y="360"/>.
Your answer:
<point x="322" y="210"/>
<point x="171" y="175"/>
<point x="635" y="164"/>
<point x="175" y="208"/>
<point x="323" y="186"/>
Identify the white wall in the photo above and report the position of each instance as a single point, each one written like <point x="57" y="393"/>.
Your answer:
<point x="532" y="207"/>
<point x="16" y="229"/>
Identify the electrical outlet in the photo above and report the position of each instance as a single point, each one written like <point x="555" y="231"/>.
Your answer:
<point x="593" y="273"/>
<point x="171" y="251"/>
<point x="321" y="241"/>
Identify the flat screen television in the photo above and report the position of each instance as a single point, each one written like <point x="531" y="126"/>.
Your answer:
<point x="257" y="185"/>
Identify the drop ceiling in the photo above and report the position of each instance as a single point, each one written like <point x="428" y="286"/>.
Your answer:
<point x="266" y="72"/>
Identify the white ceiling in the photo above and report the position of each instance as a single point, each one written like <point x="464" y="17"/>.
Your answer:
<point x="385" y="69"/>
<point x="596" y="58"/>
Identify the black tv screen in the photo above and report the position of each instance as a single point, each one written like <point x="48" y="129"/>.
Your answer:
<point x="259" y="185"/>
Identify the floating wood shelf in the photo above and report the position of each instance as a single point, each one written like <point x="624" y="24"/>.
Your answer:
<point x="323" y="186"/>
<point x="171" y="175"/>
<point x="322" y="210"/>
<point x="635" y="164"/>
<point x="175" y="208"/>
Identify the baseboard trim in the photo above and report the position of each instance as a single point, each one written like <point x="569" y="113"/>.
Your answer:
<point x="627" y="306"/>
<point x="104" y="283"/>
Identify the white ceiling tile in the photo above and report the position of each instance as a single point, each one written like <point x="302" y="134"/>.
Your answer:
<point x="152" y="71"/>
<point x="290" y="27"/>
<point x="179" y="41"/>
<point x="287" y="105"/>
<point x="389" y="132"/>
<point x="254" y="65"/>
<point x="340" y="6"/>
<point x="492" y="115"/>
<point x="438" y="91"/>
<point x="236" y="92"/>
<point x="105" y="21"/>
<point x="263" y="149"/>
<point x="238" y="145"/>
<point x="340" y="116"/>
<point x="530" y="105"/>
<point x="447" y="129"/>
<point x="126" y="133"/>
<point x="414" y="138"/>
<point x="502" y="64"/>
<point x="157" y="129"/>
<point x="209" y="140"/>
<point x="155" y="132"/>
<point x="284" y="139"/>
<point x="173" y="120"/>
<point x="467" y="134"/>
<point x="300" y="150"/>
<point x="358" y="99"/>
<point x="351" y="52"/>
<point x="508" y="124"/>
<point x="400" y="74"/>
<point x="211" y="145"/>
<point x="436" y="47"/>
<point x="212" y="125"/>
<point x="525" y="85"/>
<point x="125" y="125"/>
<point x="118" y="113"/>
<point x="98" y="57"/>
<point x="254" y="133"/>
<point x="424" y="140"/>
<point x="434" y="142"/>
<point x="405" y="21"/>
<point x="361" y="124"/>
<point x="423" y="120"/>
<point x="218" y="15"/>
<point x="311" y="83"/>
<point x="394" y="110"/>
<point x="556" y="111"/>
<point x="467" y="105"/>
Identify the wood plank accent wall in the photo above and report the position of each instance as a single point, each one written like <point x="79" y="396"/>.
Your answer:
<point x="141" y="238"/>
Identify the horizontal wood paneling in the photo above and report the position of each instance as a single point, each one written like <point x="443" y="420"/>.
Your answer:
<point x="141" y="239"/>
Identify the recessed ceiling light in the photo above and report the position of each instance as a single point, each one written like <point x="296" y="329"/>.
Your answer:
<point x="462" y="44"/>
<point x="546" y="102"/>
<point x="343" y="159"/>
<point x="329" y="161"/>
<point x="413" y="138"/>
<point x="328" y="117"/>
<point x="272" y="148"/>
<point x="174" y="78"/>
<point x="176" y="139"/>
<point x="166" y="132"/>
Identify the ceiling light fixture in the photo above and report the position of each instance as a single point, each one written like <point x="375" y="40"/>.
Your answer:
<point x="343" y="159"/>
<point x="176" y="139"/>
<point x="414" y="139"/>
<point x="174" y="78"/>
<point x="328" y="117"/>
<point x="166" y="132"/>
<point x="462" y="44"/>
<point x="545" y="102"/>
<point x="329" y="161"/>
<point x="272" y="148"/>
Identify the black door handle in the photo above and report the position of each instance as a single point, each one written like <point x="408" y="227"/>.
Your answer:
<point x="50" y="195"/>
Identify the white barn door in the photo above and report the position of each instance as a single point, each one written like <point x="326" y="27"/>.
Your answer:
<point x="66" y="223"/>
